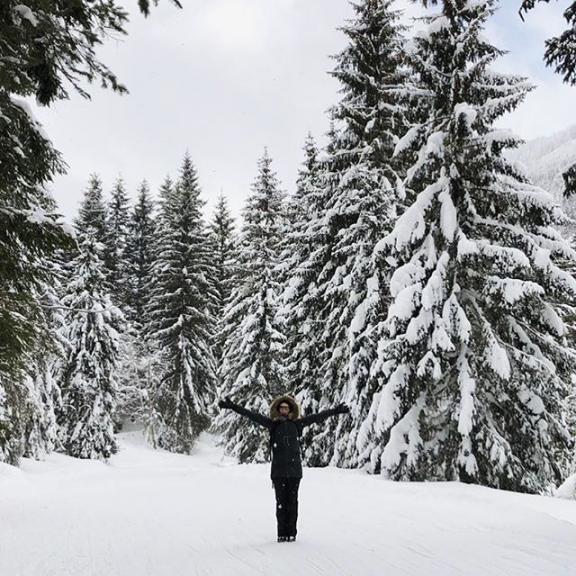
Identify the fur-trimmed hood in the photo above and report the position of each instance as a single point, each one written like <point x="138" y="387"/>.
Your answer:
<point x="295" y="408"/>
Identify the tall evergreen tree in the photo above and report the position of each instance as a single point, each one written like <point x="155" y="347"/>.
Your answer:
<point x="302" y="251"/>
<point x="27" y="245"/>
<point x="166" y="193"/>
<point x="473" y="365"/>
<point x="116" y="240"/>
<point x="306" y="185"/>
<point x="300" y="210"/>
<point x="88" y="380"/>
<point x="151" y="368"/>
<point x="252" y="366"/>
<point x="140" y="255"/>
<point x="308" y="171"/>
<point x="13" y="397"/>
<point x="136" y="357"/>
<point x="182" y="300"/>
<point x="359" y="205"/>
<point x="224" y="256"/>
<point x="91" y="219"/>
<point x="44" y="398"/>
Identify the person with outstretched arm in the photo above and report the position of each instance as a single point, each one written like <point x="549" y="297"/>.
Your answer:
<point x="285" y="427"/>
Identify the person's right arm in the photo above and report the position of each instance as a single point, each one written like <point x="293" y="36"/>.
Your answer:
<point x="254" y="416"/>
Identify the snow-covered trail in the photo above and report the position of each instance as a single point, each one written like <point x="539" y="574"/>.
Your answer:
<point x="153" y="513"/>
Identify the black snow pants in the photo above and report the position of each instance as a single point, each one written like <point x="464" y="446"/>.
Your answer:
<point x="286" y="505"/>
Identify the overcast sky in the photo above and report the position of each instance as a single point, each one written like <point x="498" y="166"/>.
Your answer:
<point x="225" y="78"/>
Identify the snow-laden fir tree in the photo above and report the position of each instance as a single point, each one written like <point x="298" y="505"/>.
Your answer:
<point x="136" y="359"/>
<point x="252" y="366"/>
<point x="306" y="185"/>
<point x="181" y="322"/>
<point x="301" y="208"/>
<point x="42" y="373"/>
<point x="31" y="231"/>
<point x="30" y="234"/>
<point x="91" y="219"/>
<point x="88" y="379"/>
<point x="166" y="208"/>
<point x="302" y="254"/>
<point x="473" y="364"/>
<point x="116" y="239"/>
<point x="136" y="370"/>
<point x="115" y="258"/>
<point x="360" y="197"/>
<point x="13" y="397"/>
<point x="224" y="257"/>
<point x="28" y="392"/>
<point x="163" y="220"/>
<point x="140" y="256"/>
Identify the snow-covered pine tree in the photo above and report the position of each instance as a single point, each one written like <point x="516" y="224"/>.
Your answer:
<point x="135" y="378"/>
<point x="44" y="399"/>
<point x="13" y="397"/>
<point x="31" y="231"/>
<point x="301" y="209"/>
<point x="473" y="366"/>
<point x="308" y="173"/>
<point x="224" y="257"/>
<point x="30" y="234"/>
<point x="181" y="323"/>
<point x="152" y="362"/>
<point x="252" y="369"/>
<point x="302" y="256"/>
<point x="166" y="209"/>
<point x="360" y="205"/>
<point x="149" y="413"/>
<point x="88" y="379"/>
<point x="91" y="219"/>
<point x="140" y="256"/>
<point x="306" y="184"/>
<point x="135" y="362"/>
<point x="115" y="243"/>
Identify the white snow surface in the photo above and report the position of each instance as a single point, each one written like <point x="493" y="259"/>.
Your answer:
<point x="568" y="489"/>
<point x="149" y="512"/>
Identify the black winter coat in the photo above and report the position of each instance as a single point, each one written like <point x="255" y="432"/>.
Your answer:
<point x="285" y="439"/>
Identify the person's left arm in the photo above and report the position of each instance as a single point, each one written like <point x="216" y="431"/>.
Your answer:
<point x="321" y="416"/>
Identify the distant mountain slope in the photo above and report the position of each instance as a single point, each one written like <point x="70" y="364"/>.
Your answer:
<point x="546" y="159"/>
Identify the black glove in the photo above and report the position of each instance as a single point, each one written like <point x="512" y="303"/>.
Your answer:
<point x="342" y="409"/>
<point x="226" y="403"/>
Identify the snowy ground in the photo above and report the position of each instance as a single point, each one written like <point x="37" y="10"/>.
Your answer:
<point x="154" y="513"/>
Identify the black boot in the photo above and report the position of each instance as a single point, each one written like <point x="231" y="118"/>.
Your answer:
<point x="291" y="539"/>
<point x="282" y="538"/>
